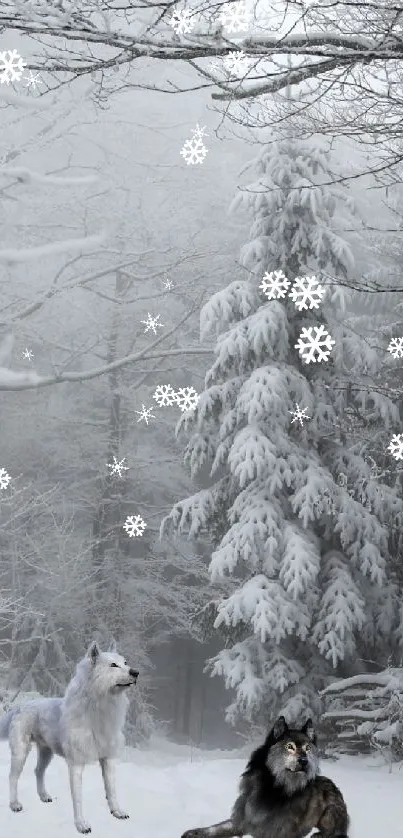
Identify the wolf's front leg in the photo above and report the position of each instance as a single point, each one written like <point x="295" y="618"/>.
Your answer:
<point x="224" y="829"/>
<point x="108" y="774"/>
<point x="76" y="786"/>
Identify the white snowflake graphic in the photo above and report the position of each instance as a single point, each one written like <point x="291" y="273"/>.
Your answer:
<point x="134" y="526"/>
<point x="306" y="289"/>
<point x="28" y="354"/>
<point x="165" y="395"/>
<point x="145" y="413"/>
<point x="275" y="285"/>
<point x="396" y="347"/>
<point x="194" y="150"/>
<point x="181" y="21"/>
<point x="168" y="284"/>
<point x="187" y="398"/>
<point x="237" y="63"/>
<point x="152" y="323"/>
<point x="299" y="414"/>
<point x="33" y="80"/>
<point x="396" y="446"/>
<point x="4" y="478"/>
<point x="117" y="466"/>
<point x="314" y="348"/>
<point x="11" y="66"/>
<point x="235" y="16"/>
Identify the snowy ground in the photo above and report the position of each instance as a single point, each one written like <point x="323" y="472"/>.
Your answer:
<point x="169" y="789"/>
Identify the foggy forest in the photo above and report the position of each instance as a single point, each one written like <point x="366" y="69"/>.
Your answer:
<point x="201" y="381"/>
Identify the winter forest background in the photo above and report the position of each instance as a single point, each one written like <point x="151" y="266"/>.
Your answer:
<point x="272" y="555"/>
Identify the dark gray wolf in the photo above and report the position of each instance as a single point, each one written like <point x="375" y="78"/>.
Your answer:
<point x="281" y="794"/>
<point x="83" y="727"/>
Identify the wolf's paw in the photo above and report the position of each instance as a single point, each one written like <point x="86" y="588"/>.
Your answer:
<point x="16" y="806"/>
<point x="83" y="827"/>
<point x="194" y="833"/>
<point x="46" y="798"/>
<point x="118" y="813"/>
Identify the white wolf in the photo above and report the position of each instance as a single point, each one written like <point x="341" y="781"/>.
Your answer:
<point x="85" y="726"/>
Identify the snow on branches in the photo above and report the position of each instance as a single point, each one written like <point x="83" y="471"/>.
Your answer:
<point x="304" y="560"/>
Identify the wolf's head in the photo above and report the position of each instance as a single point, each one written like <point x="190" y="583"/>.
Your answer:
<point x="292" y="756"/>
<point x="109" y="671"/>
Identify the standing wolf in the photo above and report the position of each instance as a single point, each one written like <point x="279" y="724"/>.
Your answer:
<point x="85" y="726"/>
<point x="281" y="794"/>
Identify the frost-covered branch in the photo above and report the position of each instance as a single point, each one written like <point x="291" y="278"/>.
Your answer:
<point x="333" y="57"/>
<point x="14" y="255"/>
<point x="15" y="380"/>
<point x="25" y="175"/>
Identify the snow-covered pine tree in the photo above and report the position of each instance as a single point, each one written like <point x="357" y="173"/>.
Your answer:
<point x="305" y="564"/>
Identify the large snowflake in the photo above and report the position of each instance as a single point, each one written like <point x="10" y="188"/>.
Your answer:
<point x="165" y="395"/>
<point x="181" y="21"/>
<point x="306" y="289"/>
<point x="194" y="150"/>
<point x="314" y="348"/>
<point x="235" y="16"/>
<point x="11" y="66"/>
<point x="396" y="347"/>
<point x="275" y="285"/>
<point x="187" y="398"/>
<point x="237" y="63"/>
<point x="396" y="446"/>
<point x="4" y="478"/>
<point x="134" y="526"/>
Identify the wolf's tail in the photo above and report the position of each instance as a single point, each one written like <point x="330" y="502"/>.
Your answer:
<point x="5" y="722"/>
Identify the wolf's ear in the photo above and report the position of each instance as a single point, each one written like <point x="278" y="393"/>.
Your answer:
<point x="309" y="730"/>
<point x="279" y="729"/>
<point x="93" y="652"/>
<point x="112" y="646"/>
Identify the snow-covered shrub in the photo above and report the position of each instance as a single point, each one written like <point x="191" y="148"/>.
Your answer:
<point x="367" y="711"/>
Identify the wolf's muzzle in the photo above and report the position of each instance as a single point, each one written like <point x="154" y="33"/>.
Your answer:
<point x="303" y="762"/>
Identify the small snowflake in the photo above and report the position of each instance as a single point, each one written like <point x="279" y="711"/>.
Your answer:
<point x="237" y="63"/>
<point x="117" y="466"/>
<point x="145" y="413"/>
<point x="299" y="414"/>
<point x="306" y="289"/>
<point x="396" y="347"/>
<point x="28" y="354"/>
<point x="4" y="478"/>
<point x="168" y="284"/>
<point x="32" y="80"/>
<point x="181" y="21"/>
<point x="11" y="66"/>
<point x="275" y="285"/>
<point x="320" y="345"/>
<point x="152" y="323"/>
<point x="187" y="398"/>
<point x="396" y="446"/>
<point x="134" y="526"/>
<point x="234" y="16"/>
<point x="199" y="133"/>
<point x="194" y="150"/>
<point x="165" y="395"/>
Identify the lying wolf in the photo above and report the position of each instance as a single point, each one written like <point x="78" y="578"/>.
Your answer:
<point x="281" y="794"/>
<point x="85" y="726"/>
